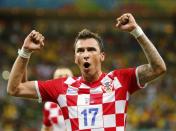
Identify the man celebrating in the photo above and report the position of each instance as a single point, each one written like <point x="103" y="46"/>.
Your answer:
<point x="95" y="100"/>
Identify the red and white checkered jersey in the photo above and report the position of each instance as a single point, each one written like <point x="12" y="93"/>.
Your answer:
<point x="52" y="116"/>
<point x="97" y="106"/>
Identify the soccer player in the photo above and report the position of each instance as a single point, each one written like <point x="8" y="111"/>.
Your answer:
<point x="52" y="115"/>
<point x="95" y="101"/>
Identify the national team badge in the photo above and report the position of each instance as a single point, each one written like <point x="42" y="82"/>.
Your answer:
<point x="107" y="87"/>
<point x="107" y="84"/>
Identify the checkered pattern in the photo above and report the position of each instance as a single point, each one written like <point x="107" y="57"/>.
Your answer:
<point x="52" y="116"/>
<point x="96" y="106"/>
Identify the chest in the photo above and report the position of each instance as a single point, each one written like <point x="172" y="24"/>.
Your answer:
<point x="106" y="91"/>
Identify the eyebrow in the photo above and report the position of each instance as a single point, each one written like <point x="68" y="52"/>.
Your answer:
<point x="88" y="48"/>
<point x="91" y="49"/>
<point x="79" y="49"/>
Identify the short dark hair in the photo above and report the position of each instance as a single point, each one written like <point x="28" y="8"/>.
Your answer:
<point x="86" y="34"/>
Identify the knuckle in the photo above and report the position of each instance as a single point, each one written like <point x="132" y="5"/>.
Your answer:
<point x="33" y="31"/>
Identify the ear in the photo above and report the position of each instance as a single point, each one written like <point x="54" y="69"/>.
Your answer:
<point x="102" y="57"/>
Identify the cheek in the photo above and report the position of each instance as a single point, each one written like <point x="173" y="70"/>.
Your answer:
<point x="96" y="59"/>
<point x="77" y="59"/>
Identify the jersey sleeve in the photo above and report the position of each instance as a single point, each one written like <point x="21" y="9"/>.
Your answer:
<point x="49" y="90"/>
<point x="129" y="78"/>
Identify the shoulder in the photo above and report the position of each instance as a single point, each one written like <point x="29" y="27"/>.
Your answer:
<point x="124" y="71"/>
<point x="124" y="74"/>
<point x="71" y="80"/>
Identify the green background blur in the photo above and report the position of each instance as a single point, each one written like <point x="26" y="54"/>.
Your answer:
<point x="151" y="109"/>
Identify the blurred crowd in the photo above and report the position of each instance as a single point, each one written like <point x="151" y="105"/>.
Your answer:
<point x="151" y="109"/>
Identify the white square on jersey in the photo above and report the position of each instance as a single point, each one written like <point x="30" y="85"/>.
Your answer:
<point x="116" y="83"/>
<point x="120" y="128"/>
<point x="105" y="80"/>
<point x="109" y="120"/>
<point x="72" y="90"/>
<point x="109" y="97"/>
<point x="69" y="81"/>
<point x="120" y="106"/>
<point x="90" y="117"/>
<point x="62" y="100"/>
<point x="99" y="129"/>
<point x="83" y="86"/>
<point x="72" y="111"/>
<point x="53" y="112"/>
<point x="68" y="124"/>
<point x="96" y="90"/>
<point x="83" y="99"/>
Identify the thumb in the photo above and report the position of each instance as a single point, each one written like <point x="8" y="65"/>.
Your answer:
<point x="125" y="27"/>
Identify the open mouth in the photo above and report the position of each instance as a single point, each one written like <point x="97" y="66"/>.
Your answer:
<point x="86" y="65"/>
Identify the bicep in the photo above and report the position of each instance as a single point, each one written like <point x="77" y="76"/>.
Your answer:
<point x="27" y="90"/>
<point x="145" y="74"/>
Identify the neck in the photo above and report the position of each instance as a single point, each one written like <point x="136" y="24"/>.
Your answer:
<point x="92" y="78"/>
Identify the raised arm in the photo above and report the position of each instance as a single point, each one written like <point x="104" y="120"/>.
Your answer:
<point x="17" y="84"/>
<point x="156" y="65"/>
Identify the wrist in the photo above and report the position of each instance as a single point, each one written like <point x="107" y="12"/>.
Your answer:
<point x="24" y="53"/>
<point x="137" y="32"/>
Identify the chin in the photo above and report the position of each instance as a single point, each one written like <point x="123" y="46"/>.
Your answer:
<point x="87" y="72"/>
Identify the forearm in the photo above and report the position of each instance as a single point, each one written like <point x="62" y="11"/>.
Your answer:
<point x="151" y="53"/>
<point x="155" y="66"/>
<point x="25" y="78"/>
<point x="16" y="74"/>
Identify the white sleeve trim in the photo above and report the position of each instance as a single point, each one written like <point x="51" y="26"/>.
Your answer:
<point x="38" y="92"/>
<point x="137" y="78"/>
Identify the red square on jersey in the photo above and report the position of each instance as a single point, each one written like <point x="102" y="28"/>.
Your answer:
<point x="109" y="108"/>
<point x="110" y="129"/>
<point x="55" y="120"/>
<point x="83" y="91"/>
<point x="74" y="123"/>
<point x="121" y="94"/>
<point x="96" y="99"/>
<point x="72" y="100"/>
<point x="120" y="119"/>
<point x="65" y="112"/>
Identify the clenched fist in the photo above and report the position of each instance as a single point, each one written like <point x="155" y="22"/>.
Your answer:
<point x="126" y="22"/>
<point x="34" y="41"/>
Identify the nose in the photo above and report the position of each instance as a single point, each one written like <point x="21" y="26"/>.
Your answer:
<point x="86" y="58"/>
<point x="86" y="55"/>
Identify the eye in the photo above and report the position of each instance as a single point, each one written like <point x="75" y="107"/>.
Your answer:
<point x="80" y="50"/>
<point x="91" y="49"/>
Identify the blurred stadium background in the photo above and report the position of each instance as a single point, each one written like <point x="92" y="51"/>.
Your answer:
<point x="151" y="109"/>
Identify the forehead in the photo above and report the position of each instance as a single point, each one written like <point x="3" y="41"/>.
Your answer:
<point x="84" y="43"/>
